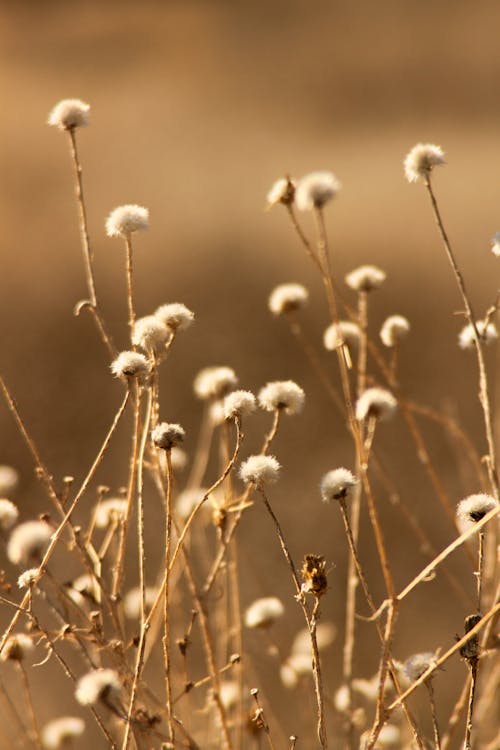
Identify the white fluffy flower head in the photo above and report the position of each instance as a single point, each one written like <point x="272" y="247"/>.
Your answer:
<point x="9" y="479"/>
<point x="365" y="278"/>
<point x="343" y="332"/>
<point x="282" y="191"/>
<point x="416" y="665"/>
<point x="110" y="511"/>
<point x="17" y="647"/>
<point x="260" y="470"/>
<point x="214" y="382"/>
<point x="377" y="403"/>
<point x="59" y="732"/>
<point x="315" y="190"/>
<point x="69" y="114"/>
<point x="239" y="404"/>
<point x="95" y="685"/>
<point x="394" y="329"/>
<point x="495" y="244"/>
<point x="132" y="601"/>
<point x="130" y="365"/>
<point x="28" y="578"/>
<point x="487" y="334"/>
<point x="8" y="514"/>
<point x="166" y="435"/>
<point x="474" y="508"/>
<point x="263" y="613"/>
<point x="282" y="394"/>
<point x="287" y="298"/>
<point x="28" y="542"/>
<point x="337" y="484"/>
<point x="150" y="333"/>
<point x="124" y="220"/>
<point x="421" y="160"/>
<point x="176" y="316"/>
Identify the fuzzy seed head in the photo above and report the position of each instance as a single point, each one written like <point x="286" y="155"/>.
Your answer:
<point x="421" y="160"/>
<point x="417" y="664"/>
<point x="285" y="395"/>
<point x="125" y="220"/>
<point x="132" y="601"/>
<point x="69" y="114"/>
<point x="342" y="332"/>
<point x="110" y="511"/>
<point x="239" y="404"/>
<point x="9" y="479"/>
<point x="473" y="509"/>
<point x="130" y="365"/>
<point x="260" y="470"/>
<point x="495" y="244"/>
<point x="8" y="514"/>
<point x="315" y="190"/>
<point x="263" y="613"/>
<point x="188" y="500"/>
<point x="59" y="732"/>
<point x="215" y="382"/>
<point x="282" y="191"/>
<point x="166" y="435"/>
<point x="17" y="647"/>
<point x="375" y="402"/>
<point x="95" y="685"/>
<point x="394" y="329"/>
<point x="150" y="333"/>
<point x="176" y="316"/>
<point x="27" y="579"/>
<point x="337" y="485"/>
<point x="287" y="298"/>
<point x="294" y="667"/>
<point x="487" y="334"/>
<point x="178" y="458"/>
<point x="326" y="632"/>
<point x="229" y="694"/>
<point x="28" y="542"/>
<point x="365" y="278"/>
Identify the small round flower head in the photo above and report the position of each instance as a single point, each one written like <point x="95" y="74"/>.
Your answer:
<point x="421" y="160"/>
<point x="282" y="191"/>
<point x="285" y="395"/>
<point x="69" y="114"/>
<point x="315" y="190"/>
<point x="28" y="542"/>
<point x="365" y="278"/>
<point x="389" y="738"/>
<point x="239" y="404"/>
<point x="229" y="694"/>
<point x="130" y="365"/>
<point x="110" y="511"/>
<point x="375" y="402"/>
<point x="132" y="602"/>
<point x="96" y="685"/>
<point x="342" y="332"/>
<point x="263" y="613"/>
<point x="337" y="485"/>
<point x="188" y="500"/>
<point x="260" y="470"/>
<point x="28" y="578"/>
<point x="326" y="633"/>
<point x="297" y="665"/>
<point x="9" y="479"/>
<point x="487" y="334"/>
<point x="59" y="732"/>
<point x="124" y="220"/>
<point x="474" y="508"/>
<point x="394" y="329"/>
<point x="150" y="333"/>
<point x="417" y="664"/>
<point x="215" y="382"/>
<point x="286" y="298"/>
<point x="8" y="514"/>
<point x="17" y="647"/>
<point x="495" y="244"/>
<point x="178" y="458"/>
<point x="166" y="435"/>
<point x="176" y="316"/>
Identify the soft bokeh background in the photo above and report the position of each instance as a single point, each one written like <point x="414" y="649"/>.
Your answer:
<point x="197" y="107"/>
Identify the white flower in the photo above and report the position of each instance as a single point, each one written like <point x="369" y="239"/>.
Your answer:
<point x="188" y="500"/>
<point x="112" y="510"/>
<point x="28" y="578"/>
<point x="229" y="694"/>
<point x="59" y="732"/>
<point x="417" y="664"/>
<point x="326" y="633"/>
<point x="178" y="458"/>
<point x="69" y="114"/>
<point x="282" y="394"/>
<point x="375" y="402"/>
<point x="239" y="404"/>
<point x="337" y="484"/>
<point x="365" y="278"/>
<point x="342" y="332"/>
<point x="495" y="244"/>
<point x="262" y="613"/>
<point x="421" y="160"/>
<point x="17" y="647"/>
<point x="9" y="479"/>
<point x="175" y="316"/>
<point x="150" y="333"/>
<point x="166" y="435"/>
<point x="132" y="601"/>
<point x="286" y="298"/>
<point x="124" y="220"/>
<point x="294" y="667"/>
<point x="130" y="365"/>
<point x="96" y="685"/>
<point x="215" y="382"/>
<point x="8" y="514"/>
<point x="394" y="329"/>
<point x="315" y="190"/>
<point x="282" y="191"/>
<point x="260" y="470"/>
<point x="28" y="542"/>
<point x="487" y="334"/>
<point x="473" y="508"/>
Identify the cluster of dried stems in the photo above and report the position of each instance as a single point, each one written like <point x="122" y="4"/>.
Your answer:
<point x="83" y="627"/>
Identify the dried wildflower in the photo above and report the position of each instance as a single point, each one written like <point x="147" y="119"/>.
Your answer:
<point x="69" y="114"/>
<point x="110" y="511"/>
<point x="337" y="485"/>
<point x="260" y="470"/>
<point x="132" y="601"/>
<point x="150" y="333"/>
<point x="167" y="435"/>
<point x="215" y="382"/>
<point x="326" y="633"/>
<point x="487" y="334"/>
<point x="416" y="665"/>
<point x="315" y="190"/>
<point x="17" y="647"/>
<point x="176" y="316"/>
<point x="28" y="542"/>
<point x="365" y="278"/>
<point x="471" y="649"/>
<point x="28" y="578"/>
<point x="282" y="394"/>
<point x="421" y="160"/>
<point x="343" y="332"/>
<point x="286" y="298"/>
<point x="130" y="365"/>
<point x="9" y="479"/>
<point x="377" y="403"/>
<point x="495" y="244"/>
<point x="474" y="508"/>
<point x="8" y="514"/>
<point x="59" y="732"/>
<point x="314" y="580"/>
<point x="394" y="329"/>
<point x="282" y="191"/>
<point x="124" y="220"/>
<point x="263" y="613"/>
<point x="96" y="685"/>
<point x="239" y="404"/>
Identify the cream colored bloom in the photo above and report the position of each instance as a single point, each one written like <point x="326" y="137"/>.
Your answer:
<point x="421" y="160"/>
<point x="69" y="114"/>
<point x="125" y="220"/>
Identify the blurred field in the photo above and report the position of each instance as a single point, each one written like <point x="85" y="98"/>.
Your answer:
<point x="197" y="107"/>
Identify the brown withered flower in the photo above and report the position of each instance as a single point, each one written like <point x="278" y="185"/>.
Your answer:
<point x="314" y="579"/>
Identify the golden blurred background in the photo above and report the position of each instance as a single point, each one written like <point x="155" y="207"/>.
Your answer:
<point x="197" y="107"/>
